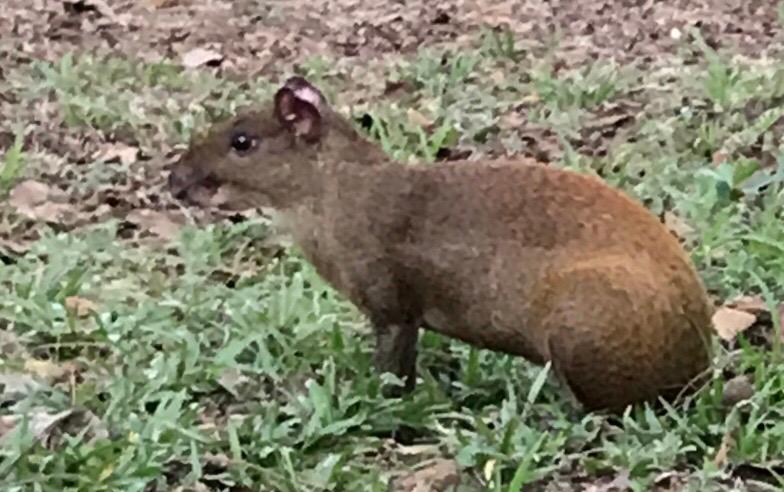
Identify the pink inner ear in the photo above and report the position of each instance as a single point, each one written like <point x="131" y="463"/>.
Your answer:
<point x="309" y="94"/>
<point x="298" y="113"/>
<point x="304" y="90"/>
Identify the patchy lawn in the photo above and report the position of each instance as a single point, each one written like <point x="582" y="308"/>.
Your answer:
<point x="145" y="349"/>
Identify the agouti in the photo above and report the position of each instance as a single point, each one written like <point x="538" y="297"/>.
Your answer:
<point x="516" y="257"/>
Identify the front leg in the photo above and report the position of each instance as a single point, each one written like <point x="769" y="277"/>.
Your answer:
<point x="375" y="287"/>
<point x="393" y="311"/>
<point x="396" y="353"/>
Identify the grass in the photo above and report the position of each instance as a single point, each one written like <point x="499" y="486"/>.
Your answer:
<point x="216" y="360"/>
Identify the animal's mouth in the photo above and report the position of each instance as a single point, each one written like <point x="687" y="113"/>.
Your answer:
<point x="195" y="188"/>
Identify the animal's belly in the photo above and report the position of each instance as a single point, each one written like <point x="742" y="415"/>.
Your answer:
<point x="481" y="330"/>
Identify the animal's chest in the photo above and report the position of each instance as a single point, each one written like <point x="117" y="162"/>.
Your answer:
<point x="325" y="252"/>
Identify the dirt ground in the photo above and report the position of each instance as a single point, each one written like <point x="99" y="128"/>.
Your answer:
<point x="260" y="37"/>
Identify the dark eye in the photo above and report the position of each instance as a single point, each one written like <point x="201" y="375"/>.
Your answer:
<point x="242" y="142"/>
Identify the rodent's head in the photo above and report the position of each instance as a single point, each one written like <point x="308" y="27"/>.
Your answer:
<point x="271" y="156"/>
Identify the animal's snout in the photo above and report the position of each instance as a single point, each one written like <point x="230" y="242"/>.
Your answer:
<point x="192" y="184"/>
<point x="178" y="182"/>
<point x="183" y="177"/>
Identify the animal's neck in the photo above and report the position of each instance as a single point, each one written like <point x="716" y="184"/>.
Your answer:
<point x="348" y="192"/>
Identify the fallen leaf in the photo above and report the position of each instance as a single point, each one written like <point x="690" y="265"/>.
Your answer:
<point x="665" y="478"/>
<point x="231" y="380"/>
<point x="719" y="157"/>
<point x="609" y="121"/>
<point x="728" y="322"/>
<point x="42" y="425"/>
<point x="87" y="423"/>
<point x="620" y="483"/>
<point x="417" y="118"/>
<point x="434" y="476"/>
<point x="28" y="194"/>
<point x="218" y="460"/>
<point x="80" y="306"/>
<point x="720" y="459"/>
<point x="677" y="226"/>
<point x="10" y="344"/>
<point x="532" y="98"/>
<point x="512" y="120"/>
<point x="195" y="487"/>
<point x="34" y="200"/>
<point x="7" y="424"/>
<point x="50" y="372"/>
<point x="417" y="449"/>
<point x="200" y="56"/>
<point x="750" y="304"/>
<point x="498" y="77"/>
<point x="17" y="384"/>
<point x="158" y="223"/>
<point x="13" y="247"/>
<point x="121" y="152"/>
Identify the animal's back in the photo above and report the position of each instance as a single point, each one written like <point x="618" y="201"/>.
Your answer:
<point x="493" y="246"/>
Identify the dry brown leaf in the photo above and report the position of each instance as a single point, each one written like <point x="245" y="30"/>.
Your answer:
<point x="728" y="322"/>
<point x="231" y="380"/>
<point x="158" y="223"/>
<point x="29" y="193"/>
<point x="200" y="56"/>
<point x="620" y="483"/>
<point x="43" y="425"/>
<point x="722" y="454"/>
<point x="7" y="424"/>
<point x="10" y="344"/>
<point x="11" y="246"/>
<point x="417" y="449"/>
<point x="33" y="200"/>
<point x="677" y="226"/>
<point x="121" y="152"/>
<point x="750" y="304"/>
<point x="80" y="306"/>
<point x="17" y="384"/>
<point x="498" y="77"/>
<point x="218" y="460"/>
<point x="512" y="120"/>
<point x="433" y="476"/>
<point x="48" y="371"/>
<point x="719" y="157"/>
<point x="532" y="98"/>
<point x="417" y="118"/>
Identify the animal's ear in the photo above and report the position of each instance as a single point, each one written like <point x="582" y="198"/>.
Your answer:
<point x="297" y="106"/>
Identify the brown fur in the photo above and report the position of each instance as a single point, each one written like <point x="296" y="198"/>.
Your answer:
<point x="511" y="256"/>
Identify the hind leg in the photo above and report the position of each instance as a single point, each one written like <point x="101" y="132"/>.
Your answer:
<point x="600" y="376"/>
<point x="618" y="337"/>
